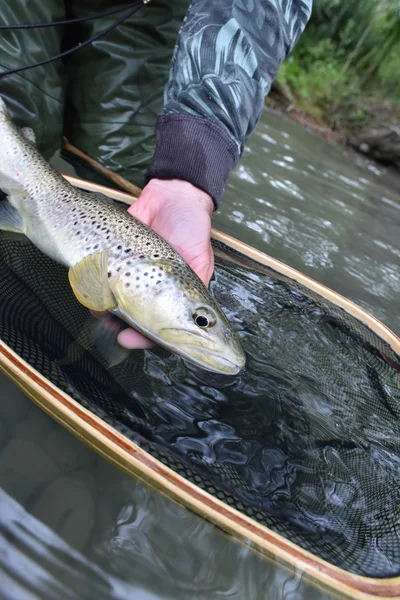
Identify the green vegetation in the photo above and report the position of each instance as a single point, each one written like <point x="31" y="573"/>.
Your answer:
<point x="347" y="62"/>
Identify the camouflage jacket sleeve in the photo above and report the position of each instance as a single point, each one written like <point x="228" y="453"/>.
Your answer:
<point x="227" y="54"/>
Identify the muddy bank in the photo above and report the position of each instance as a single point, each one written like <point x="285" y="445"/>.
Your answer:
<point x="376" y="135"/>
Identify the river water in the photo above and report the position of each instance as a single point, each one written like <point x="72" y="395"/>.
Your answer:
<point x="71" y="525"/>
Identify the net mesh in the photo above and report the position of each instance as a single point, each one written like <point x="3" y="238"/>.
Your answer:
<point x="305" y="441"/>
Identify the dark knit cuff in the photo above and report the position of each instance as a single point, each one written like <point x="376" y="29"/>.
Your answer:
<point x="194" y="149"/>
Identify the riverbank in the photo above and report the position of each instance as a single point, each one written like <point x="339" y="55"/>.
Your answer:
<point x="377" y="135"/>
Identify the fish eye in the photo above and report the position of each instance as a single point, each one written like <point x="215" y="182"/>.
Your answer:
<point x="202" y="321"/>
<point x="204" y="318"/>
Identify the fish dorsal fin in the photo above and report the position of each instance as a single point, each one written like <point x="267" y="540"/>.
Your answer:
<point x="89" y="282"/>
<point x="10" y="219"/>
<point x="29" y="135"/>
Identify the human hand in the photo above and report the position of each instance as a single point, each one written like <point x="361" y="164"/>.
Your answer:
<point x="181" y="214"/>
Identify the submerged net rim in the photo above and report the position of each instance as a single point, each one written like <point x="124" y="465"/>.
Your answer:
<point x="123" y="453"/>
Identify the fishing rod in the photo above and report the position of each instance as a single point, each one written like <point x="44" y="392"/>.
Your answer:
<point x="133" y="9"/>
<point x="67" y="21"/>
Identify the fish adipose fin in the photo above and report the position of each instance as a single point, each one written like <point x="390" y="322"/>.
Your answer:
<point x="89" y="282"/>
<point x="10" y="219"/>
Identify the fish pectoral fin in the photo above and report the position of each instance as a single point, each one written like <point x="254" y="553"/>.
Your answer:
<point x="10" y="219"/>
<point x="89" y="282"/>
<point x="104" y="334"/>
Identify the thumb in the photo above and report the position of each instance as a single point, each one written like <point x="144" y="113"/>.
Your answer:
<point x="204" y="265"/>
<point x="145" y="208"/>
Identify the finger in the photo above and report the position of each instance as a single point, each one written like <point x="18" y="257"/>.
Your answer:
<point x="211" y="265"/>
<point x="206" y="270"/>
<point x="143" y="209"/>
<point x="131" y="339"/>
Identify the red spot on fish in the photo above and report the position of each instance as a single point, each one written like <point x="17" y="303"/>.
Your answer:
<point x="17" y="174"/>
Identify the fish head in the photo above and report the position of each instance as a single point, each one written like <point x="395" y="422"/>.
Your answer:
<point x="168" y="303"/>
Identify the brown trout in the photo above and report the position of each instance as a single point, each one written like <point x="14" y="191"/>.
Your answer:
<point x="116" y="263"/>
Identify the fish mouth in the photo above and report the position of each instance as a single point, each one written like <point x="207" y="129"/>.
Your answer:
<point x="205" y="355"/>
<point x="220" y="365"/>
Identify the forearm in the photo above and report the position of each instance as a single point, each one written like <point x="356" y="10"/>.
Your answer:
<point x="223" y="66"/>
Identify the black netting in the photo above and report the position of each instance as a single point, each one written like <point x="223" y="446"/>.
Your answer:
<point x="305" y="441"/>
